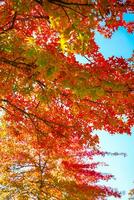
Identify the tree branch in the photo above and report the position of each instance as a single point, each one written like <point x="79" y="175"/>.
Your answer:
<point x="11" y="24"/>
<point x="60" y="2"/>
<point x="16" y="64"/>
<point x="39" y="2"/>
<point x="47" y="122"/>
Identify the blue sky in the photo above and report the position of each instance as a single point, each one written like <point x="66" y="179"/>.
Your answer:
<point x="121" y="167"/>
<point x="121" y="44"/>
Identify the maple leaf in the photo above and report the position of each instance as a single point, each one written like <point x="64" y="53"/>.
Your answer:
<point x="52" y="103"/>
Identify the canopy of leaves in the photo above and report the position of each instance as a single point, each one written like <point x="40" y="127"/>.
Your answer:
<point x="38" y="166"/>
<point x="51" y="103"/>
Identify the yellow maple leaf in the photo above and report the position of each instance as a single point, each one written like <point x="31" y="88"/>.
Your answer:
<point x="63" y="42"/>
<point x="3" y="128"/>
<point x="31" y="41"/>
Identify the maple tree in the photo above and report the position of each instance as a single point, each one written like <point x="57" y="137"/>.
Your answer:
<point x="38" y="166"/>
<point x="51" y="102"/>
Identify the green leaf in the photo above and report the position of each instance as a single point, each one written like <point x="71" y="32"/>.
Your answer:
<point x="41" y="61"/>
<point x="99" y="92"/>
<point x="67" y="84"/>
<point x="31" y="52"/>
<point x="51" y="71"/>
<point x="15" y="87"/>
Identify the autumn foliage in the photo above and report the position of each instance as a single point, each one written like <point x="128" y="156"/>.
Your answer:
<point x="51" y="103"/>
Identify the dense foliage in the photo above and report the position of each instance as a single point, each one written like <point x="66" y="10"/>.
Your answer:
<point x="50" y="103"/>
